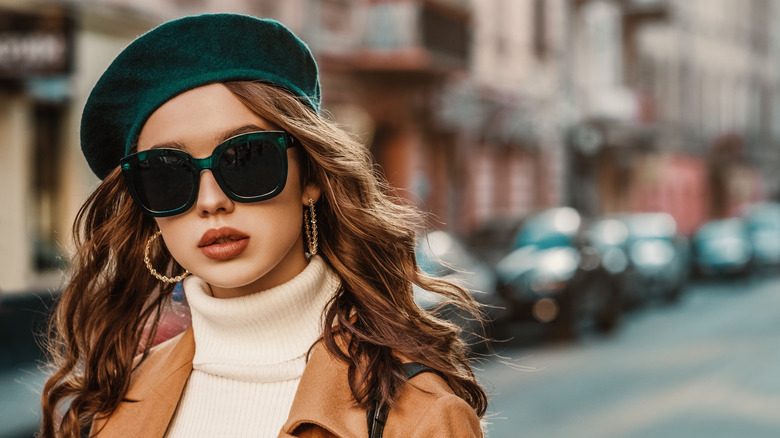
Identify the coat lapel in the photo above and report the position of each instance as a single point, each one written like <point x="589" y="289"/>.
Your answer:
<point x="154" y="392"/>
<point x="318" y="408"/>
<point x="324" y="401"/>
<point x="323" y="406"/>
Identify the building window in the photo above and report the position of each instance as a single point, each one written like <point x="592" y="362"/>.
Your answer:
<point x="189" y="4"/>
<point x="336" y="15"/>
<point x="498" y="24"/>
<point x="45" y="205"/>
<point x="259" y="8"/>
<point x="540" y="29"/>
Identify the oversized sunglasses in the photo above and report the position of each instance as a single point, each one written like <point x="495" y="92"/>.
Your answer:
<point x="249" y="167"/>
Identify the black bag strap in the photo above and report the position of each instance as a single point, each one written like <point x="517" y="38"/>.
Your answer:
<point x="377" y="415"/>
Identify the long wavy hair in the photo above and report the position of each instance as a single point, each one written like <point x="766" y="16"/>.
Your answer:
<point x="111" y="307"/>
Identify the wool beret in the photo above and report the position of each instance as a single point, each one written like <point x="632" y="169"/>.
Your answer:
<point x="183" y="54"/>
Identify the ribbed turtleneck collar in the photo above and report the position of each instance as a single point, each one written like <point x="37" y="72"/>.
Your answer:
<point x="263" y="336"/>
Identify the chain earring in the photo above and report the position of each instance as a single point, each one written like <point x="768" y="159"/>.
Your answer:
<point x="310" y="221"/>
<point x="153" y="271"/>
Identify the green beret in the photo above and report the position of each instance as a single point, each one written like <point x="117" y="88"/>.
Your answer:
<point x="181" y="55"/>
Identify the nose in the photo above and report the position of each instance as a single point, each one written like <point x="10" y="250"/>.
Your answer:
<point x="211" y="198"/>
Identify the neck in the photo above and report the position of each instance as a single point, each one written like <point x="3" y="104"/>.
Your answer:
<point x="263" y="329"/>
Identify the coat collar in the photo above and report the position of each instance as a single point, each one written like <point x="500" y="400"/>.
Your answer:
<point x="323" y="399"/>
<point x="154" y="392"/>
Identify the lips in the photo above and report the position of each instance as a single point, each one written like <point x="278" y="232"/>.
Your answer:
<point x="223" y="243"/>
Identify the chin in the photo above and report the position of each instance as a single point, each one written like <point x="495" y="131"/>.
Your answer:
<point x="231" y="280"/>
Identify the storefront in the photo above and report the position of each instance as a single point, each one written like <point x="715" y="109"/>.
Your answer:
<point x="50" y="56"/>
<point x="36" y="65"/>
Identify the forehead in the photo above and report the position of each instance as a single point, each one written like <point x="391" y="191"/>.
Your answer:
<point x="198" y="119"/>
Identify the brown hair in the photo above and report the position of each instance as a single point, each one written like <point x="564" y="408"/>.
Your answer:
<point x="366" y="236"/>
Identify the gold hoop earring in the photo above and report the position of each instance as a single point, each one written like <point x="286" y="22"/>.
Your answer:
<point x="310" y="221"/>
<point x="153" y="271"/>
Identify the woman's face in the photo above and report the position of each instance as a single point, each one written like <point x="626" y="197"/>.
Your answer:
<point x="237" y="248"/>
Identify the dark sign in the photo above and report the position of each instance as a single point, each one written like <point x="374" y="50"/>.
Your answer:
<point x="35" y="44"/>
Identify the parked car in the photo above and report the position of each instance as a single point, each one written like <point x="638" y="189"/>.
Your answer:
<point x="605" y="258"/>
<point x="723" y="247"/>
<point x="763" y="225"/>
<point x="659" y="259"/>
<point x="609" y="237"/>
<point x="494" y="239"/>
<point x="442" y="255"/>
<point x="549" y="278"/>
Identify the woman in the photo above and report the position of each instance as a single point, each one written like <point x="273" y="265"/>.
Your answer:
<point x="219" y="172"/>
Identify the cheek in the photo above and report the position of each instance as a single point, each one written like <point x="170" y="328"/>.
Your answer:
<point x="177" y="237"/>
<point x="282" y="223"/>
<point x="275" y="223"/>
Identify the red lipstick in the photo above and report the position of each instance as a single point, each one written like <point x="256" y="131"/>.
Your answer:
<point x="223" y="243"/>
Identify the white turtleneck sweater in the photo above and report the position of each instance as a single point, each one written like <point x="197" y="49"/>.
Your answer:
<point x="250" y="353"/>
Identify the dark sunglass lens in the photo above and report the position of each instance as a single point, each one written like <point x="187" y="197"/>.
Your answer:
<point x="164" y="182"/>
<point x="252" y="168"/>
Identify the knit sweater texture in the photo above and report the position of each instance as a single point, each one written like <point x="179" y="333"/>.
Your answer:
<point x="250" y="353"/>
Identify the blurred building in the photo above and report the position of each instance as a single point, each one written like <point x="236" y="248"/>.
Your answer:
<point x="679" y="107"/>
<point x="384" y="67"/>
<point x="459" y="111"/>
<point x="474" y="110"/>
<point x="506" y="115"/>
<point x="51" y="53"/>
<point x="722" y="101"/>
<point x="382" y="64"/>
<point x="457" y="100"/>
<point x="450" y="128"/>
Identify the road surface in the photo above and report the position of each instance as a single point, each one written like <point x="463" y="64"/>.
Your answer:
<point x="707" y="366"/>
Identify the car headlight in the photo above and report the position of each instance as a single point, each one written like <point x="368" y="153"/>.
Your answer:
<point x="554" y="268"/>
<point x="651" y="255"/>
<point x="614" y="260"/>
<point x="558" y="264"/>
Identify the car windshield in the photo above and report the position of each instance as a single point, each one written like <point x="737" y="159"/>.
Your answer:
<point x="765" y="216"/>
<point x="549" y="229"/>
<point x="721" y="229"/>
<point x="651" y="226"/>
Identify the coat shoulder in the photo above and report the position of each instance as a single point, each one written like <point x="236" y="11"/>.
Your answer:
<point x="161" y="352"/>
<point x="162" y="360"/>
<point x="155" y="387"/>
<point x="427" y="407"/>
<point x="325" y="407"/>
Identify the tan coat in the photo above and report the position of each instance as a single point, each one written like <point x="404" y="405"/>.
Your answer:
<point x="323" y="406"/>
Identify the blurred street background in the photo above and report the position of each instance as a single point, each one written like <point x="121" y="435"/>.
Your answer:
<point x="604" y="173"/>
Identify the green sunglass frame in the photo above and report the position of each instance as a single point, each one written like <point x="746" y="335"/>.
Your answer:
<point x="279" y="139"/>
